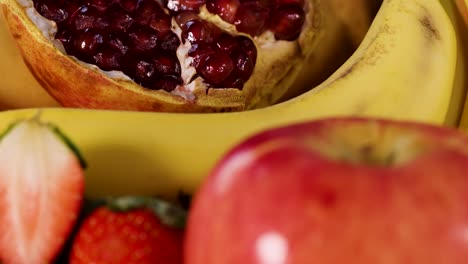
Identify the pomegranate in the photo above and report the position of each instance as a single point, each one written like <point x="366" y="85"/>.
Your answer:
<point x="173" y="55"/>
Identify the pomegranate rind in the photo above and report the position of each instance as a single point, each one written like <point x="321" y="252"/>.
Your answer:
<point x="74" y="84"/>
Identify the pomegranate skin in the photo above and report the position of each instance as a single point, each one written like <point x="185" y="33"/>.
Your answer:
<point x="75" y="84"/>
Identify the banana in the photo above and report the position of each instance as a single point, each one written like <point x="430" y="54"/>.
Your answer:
<point x="461" y="82"/>
<point x="404" y="69"/>
<point x="459" y="15"/>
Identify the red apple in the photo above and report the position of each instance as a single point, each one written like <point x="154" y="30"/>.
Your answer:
<point x="359" y="191"/>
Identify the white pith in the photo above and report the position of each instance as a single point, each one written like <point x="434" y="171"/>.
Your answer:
<point x="32" y="162"/>
<point x="266" y="44"/>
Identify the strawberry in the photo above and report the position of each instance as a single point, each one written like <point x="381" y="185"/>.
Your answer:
<point x="41" y="191"/>
<point x="131" y="230"/>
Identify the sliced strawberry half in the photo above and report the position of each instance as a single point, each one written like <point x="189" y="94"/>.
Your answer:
<point x="41" y="191"/>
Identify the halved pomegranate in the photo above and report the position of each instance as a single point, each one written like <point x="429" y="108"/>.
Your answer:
<point x="177" y="55"/>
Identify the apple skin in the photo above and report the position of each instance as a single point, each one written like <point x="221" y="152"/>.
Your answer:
<point x="276" y="198"/>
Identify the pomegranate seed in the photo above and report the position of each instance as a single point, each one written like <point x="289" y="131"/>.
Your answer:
<point x="226" y="43"/>
<point x="185" y="16"/>
<point x="120" y="19"/>
<point x="250" y="18"/>
<point x="200" y="52"/>
<point x="197" y="31"/>
<point x="86" y="42"/>
<point x="166" y="64"/>
<point x="248" y="46"/>
<point x="268" y="3"/>
<point x="116" y="42"/>
<point x="63" y="36"/>
<point x="295" y="2"/>
<point x="287" y="22"/>
<point x="101" y="4"/>
<point x="52" y="10"/>
<point x="108" y="59"/>
<point x="244" y="65"/>
<point x="143" y="38"/>
<point x="216" y="68"/>
<point x="147" y="10"/>
<point x="129" y="5"/>
<point x="232" y="81"/>
<point x="167" y="82"/>
<point x="73" y="8"/>
<point x="191" y="5"/>
<point x="170" y="42"/>
<point x="161" y="23"/>
<point x="89" y="17"/>
<point x="226" y="9"/>
<point x="141" y="69"/>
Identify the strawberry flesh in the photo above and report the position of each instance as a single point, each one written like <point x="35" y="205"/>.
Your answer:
<point x="41" y="190"/>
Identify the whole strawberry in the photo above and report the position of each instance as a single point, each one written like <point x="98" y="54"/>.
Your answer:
<point x="131" y="230"/>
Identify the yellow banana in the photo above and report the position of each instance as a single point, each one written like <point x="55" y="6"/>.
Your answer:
<point x="404" y="69"/>
<point x="459" y="14"/>
<point x="461" y="80"/>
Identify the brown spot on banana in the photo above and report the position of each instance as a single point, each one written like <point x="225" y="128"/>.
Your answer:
<point x="431" y="31"/>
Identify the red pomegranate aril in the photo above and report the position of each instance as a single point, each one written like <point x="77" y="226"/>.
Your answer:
<point x="247" y="45"/>
<point x="295" y="2"/>
<point x="161" y="23"/>
<point x="170" y="42"/>
<point x="146" y="10"/>
<point x="120" y="19"/>
<point x="217" y="68"/>
<point x="244" y="65"/>
<point x="86" y="43"/>
<point x="232" y="81"/>
<point x="287" y="22"/>
<point x="197" y="31"/>
<point x="185" y="16"/>
<point x="226" y="9"/>
<point x="166" y="64"/>
<point x="129" y="5"/>
<point x="142" y="70"/>
<point x="108" y="59"/>
<point x="226" y="42"/>
<point x="52" y="10"/>
<point x="64" y="36"/>
<point x="251" y="18"/>
<point x="190" y="5"/>
<point x="116" y="42"/>
<point x="101" y="4"/>
<point x="268" y="3"/>
<point x="167" y="83"/>
<point x="200" y="52"/>
<point x="73" y="8"/>
<point x="143" y="38"/>
<point x="89" y="17"/>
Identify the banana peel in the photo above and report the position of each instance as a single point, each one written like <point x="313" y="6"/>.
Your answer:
<point x="460" y="86"/>
<point x="459" y="15"/>
<point x="404" y="69"/>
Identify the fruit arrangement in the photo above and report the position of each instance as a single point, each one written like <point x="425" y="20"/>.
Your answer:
<point x="187" y="56"/>
<point x="42" y="201"/>
<point x="381" y="191"/>
<point x="87" y="185"/>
